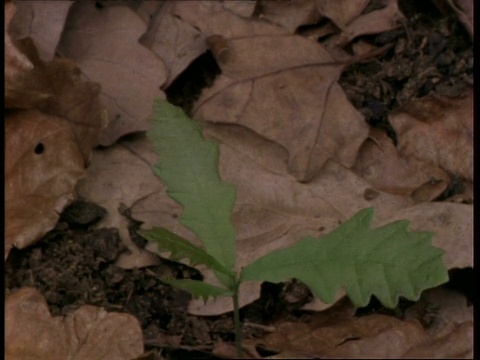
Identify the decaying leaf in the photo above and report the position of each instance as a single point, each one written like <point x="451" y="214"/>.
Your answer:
<point x="89" y="333"/>
<point x="438" y="130"/>
<point x="104" y="43"/>
<point x="42" y="166"/>
<point x="43" y="22"/>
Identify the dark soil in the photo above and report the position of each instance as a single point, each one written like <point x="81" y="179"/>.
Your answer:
<point x="73" y="264"/>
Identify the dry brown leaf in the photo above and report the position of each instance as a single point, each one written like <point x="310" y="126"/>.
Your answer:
<point x="66" y="96"/>
<point x="383" y="19"/>
<point x="216" y="18"/>
<point x="385" y="169"/>
<point x="42" y="165"/>
<point x="176" y="42"/>
<point x="290" y="14"/>
<point x="452" y="224"/>
<point x="291" y="98"/>
<point x="17" y="66"/>
<point x="341" y="12"/>
<point x="43" y="21"/>
<point x="458" y="344"/>
<point x="89" y="333"/>
<point x="122" y="174"/>
<point x="373" y="336"/>
<point x="441" y="309"/>
<point x="244" y="8"/>
<point x="104" y="42"/>
<point x="438" y="130"/>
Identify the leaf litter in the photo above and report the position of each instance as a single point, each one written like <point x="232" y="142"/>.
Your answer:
<point x="274" y="209"/>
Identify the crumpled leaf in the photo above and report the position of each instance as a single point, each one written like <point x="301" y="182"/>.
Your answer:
<point x="42" y="165"/>
<point x="43" y="22"/>
<point x="291" y="98"/>
<point x="438" y="130"/>
<point x="191" y="175"/>
<point x="341" y="12"/>
<point x="385" y="169"/>
<point x="89" y="333"/>
<point x="386" y="262"/>
<point x="104" y="43"/>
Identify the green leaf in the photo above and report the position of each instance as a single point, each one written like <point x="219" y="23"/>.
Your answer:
<point x="189" y="168"/>
<point x="386" y="262"/>
<point x="198" y="289"/>
<point x="182" y="248"/>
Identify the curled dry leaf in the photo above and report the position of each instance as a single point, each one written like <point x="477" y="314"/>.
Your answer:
<point x="385" y="169"/>
<point x="341" y="12"/>
<point x="291" y="98"/>
<point x="104" y="43"/>
<point x="438" y="130"/>
<point x="89" y="333"/>
<point x="42" y="165"/>
<point x="43" y="22"/>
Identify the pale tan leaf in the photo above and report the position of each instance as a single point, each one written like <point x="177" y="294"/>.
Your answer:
<point x="289" y="98"/>
<point x="121" y="176"/>
<point x="438" y="130"/>
<point x="104" y="42"/>
<point x="43" y="21"/>
<point x="215" y="18"/>
<point x="385" y="169"/>
<point x="290" y="14"/>
<point x="42" y="165"/>
<point x="176" y="42"/>
<point x="452" y="224"/>
<point x="89" y="333"/>
<point x="341" y="12"/>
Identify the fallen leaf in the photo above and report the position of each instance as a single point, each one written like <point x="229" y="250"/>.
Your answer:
<point x="42" y="165"/>
<point x="438" y="130"/>
<point x="122" y="175"/>
<point x="66" y="95"/>
<point x="43" y="22"/>
<point x="176" y="42"/>
<point x="452" y="224"/>
<point x="290" y="14"/>
<point x="385" y="169"/>
<point x="341" y="12"/>
<point x="89" y="333"/>
<point x="104" y="43"/>
<point x="216" y="18"/>
<point x="17" y="66"/>
<point x="290" y="98"/>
